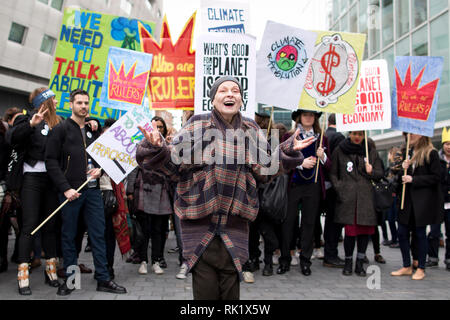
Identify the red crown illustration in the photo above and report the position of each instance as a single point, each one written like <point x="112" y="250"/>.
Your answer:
<point x="173" y="64"/>
<point x="414" y="102"/>
<point x="126" y="86"/>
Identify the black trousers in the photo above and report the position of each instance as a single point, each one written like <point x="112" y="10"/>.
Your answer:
<point x="270" y="233"/>
<point x="253" y="241"/>
<point x="176" y="224"/>
<point x="5" y="225"/>
<point x="309" y="196"/>
<point x="332" y="230"/>
<point x="215" y="277"/>
<point x="39" y="200"/>
<point x="155" y="228"/>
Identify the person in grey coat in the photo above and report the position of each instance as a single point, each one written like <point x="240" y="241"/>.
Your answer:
<point x="153" y="203"/>
<point x="351" y="176"/>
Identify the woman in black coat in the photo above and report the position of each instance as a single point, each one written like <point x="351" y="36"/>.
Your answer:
<point x="350" y="175"/>
<point x="38" y="195"/>
<point x="423" y="204"/>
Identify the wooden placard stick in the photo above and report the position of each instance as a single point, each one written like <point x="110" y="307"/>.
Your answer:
<point x="405" y="171"/>
<point x="320" y="146"/>
<point x="59" y="208"/>
<point x="270" y="123"/>
<point x="367" y="145"/>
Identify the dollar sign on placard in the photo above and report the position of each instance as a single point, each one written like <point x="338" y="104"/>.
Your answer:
<point x="329" y="60"/>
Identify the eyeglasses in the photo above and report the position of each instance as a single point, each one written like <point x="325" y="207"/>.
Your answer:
<point x="160" y="127"/>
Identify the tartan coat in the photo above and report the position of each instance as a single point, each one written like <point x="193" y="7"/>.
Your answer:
<point x="214" y="198"/>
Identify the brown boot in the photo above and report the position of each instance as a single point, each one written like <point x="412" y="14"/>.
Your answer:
<point x="23" y="279"/>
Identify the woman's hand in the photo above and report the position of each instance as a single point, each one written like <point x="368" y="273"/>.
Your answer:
<point x="407" y="179"/>
<point x="309" y="163"/>
<point x="321" y="153"/>
<point x="369" y="168"/>
<point x="38" y="118"/>
<point x="302" y="144"/>
<point x="406" y="164"/>
<point x="153" y="137"/>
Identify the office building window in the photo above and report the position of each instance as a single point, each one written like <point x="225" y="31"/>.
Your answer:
<point x="403" y="47"/>
<point x="354" y="19"/>
<point x="419" y="12"/>
<point x="335" y="10"/>
<point x="126" y="6"/>
<point x="436" y="6"/>
<point x="440" y="47"/>
<point x="402" y="13"/>
<point x="387" y="12"/>
<point x="57" y="4"/>
<point x="48" y="44"/>
<point x="420" y="42"/>
<point x="17" y="33"/>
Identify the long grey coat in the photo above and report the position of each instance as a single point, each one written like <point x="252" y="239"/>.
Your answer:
<point x="354" y="190"/>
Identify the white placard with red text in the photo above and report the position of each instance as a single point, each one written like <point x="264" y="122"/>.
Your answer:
<point x="373" y="100"/>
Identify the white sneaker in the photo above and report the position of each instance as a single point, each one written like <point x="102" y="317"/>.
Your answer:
<point x="182" y="273"/>
<point x="248" y="277"/>
<point x="275" y="259"/>
<point x="157" y="269"/>
<point x="294" y="260"/>
<point x="318" y="253"/>
<point x="143" y="268"/>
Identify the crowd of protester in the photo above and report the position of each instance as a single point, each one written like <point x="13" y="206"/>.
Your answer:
<point x="329" y="199"/>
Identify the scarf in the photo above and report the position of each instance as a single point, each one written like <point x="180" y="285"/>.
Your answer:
<point x="119" y="219"/>
<point x="350" y="148"/>
<point x="306" y="134"/>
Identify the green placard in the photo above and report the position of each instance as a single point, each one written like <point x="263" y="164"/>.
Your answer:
<point x="81" y="54"/>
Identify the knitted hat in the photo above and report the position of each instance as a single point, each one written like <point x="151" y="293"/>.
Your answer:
<point x="216" y="85"/>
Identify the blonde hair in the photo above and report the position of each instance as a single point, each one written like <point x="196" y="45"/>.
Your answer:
<point x="50" y="117"/>
<point x="422" y="151"/>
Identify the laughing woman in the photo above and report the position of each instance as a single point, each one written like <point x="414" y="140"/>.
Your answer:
<point x="423" y="204"/>
<point x="351" y="176"/>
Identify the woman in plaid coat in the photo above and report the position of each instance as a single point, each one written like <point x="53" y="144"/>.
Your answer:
<point x="216" y="194"/>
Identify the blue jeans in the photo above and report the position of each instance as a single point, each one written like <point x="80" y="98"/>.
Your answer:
<point x="419" y="237"/>
<point x="92" y="202"/>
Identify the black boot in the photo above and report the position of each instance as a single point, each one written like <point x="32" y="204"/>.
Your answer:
<point x="359" y="268"/>
<point x="3" y="264"/>
<point x="348" y="267"/>
<point x="268" y="270"/>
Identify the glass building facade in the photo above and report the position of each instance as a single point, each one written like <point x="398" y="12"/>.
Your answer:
<point x="400" y="28"/>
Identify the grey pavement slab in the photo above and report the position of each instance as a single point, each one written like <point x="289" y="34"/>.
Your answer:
<point x="323" y="284"/>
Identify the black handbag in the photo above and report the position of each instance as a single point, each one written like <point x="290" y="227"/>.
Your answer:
<point x="273" y="199"/>
<point x="136" y="234"/>
<point x="109" y="201"/>
<point x="382" y="191"/>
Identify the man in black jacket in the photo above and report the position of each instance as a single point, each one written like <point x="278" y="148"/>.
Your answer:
<point x="332" y="230"/>
<point x="66" y="160"/>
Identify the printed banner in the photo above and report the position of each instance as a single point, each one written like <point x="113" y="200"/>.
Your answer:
<point x="81" y="54"/>
<point x="225" y="16"/>
<point x="415" y="94"/>
<point x="282" y="65"/>
<point x="115" y="149"/>
<point x="172" y="78"/>
<point x="333" y="75"/>
<point x="221" y="55"/>
<point x="126" y="79"/>
<point x="373" y="100"/>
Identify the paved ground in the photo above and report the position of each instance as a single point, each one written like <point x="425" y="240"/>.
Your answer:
<point x="323" y="284"/>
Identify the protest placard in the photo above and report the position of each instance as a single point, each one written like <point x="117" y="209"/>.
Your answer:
<point x="225" y="16"/>
<point x="81" y="54"/>
<point x="415" y="94"/>
<point x="282" y="64"/>
<point x="115" y="149"/>
<point x="373" y="100"/>
<point x="126" y="78"/>
<point x="333" y="75"/>
<point x="172" y="78"/>
<point x="221" y="54"/>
